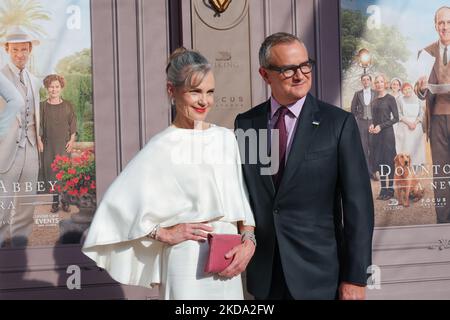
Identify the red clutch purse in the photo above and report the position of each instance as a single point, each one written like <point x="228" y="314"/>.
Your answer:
<point x="219" y="245"/>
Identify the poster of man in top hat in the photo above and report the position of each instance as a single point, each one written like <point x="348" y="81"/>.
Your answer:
<point x="45" y="64"/>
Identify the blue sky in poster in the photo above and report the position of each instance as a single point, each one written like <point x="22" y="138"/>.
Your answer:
<point x="59" y="41"/>
<point x="413" y="18"/>
<point x="360" y="5"/>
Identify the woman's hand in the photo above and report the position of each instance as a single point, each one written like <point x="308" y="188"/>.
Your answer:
<point x="371" y="127"/>
<point x="184" y="231"/>
<point x="69" y="146"/>
<point x="376" y="130"/>
<point x="412" y="126"/>
<point x="241" y="256"/>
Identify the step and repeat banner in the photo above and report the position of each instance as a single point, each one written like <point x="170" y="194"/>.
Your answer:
<point x="47" y="160"/>
<point x="396" y="81"/>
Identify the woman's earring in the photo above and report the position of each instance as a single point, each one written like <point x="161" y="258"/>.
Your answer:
<point x="172" y="101"/>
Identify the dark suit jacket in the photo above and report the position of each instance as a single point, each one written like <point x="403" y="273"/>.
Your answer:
<point x="322" y="215"/>
<point x="357" y="107"/>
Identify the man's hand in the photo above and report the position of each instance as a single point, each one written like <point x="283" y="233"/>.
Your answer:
<point x="40" y="145"/>
<point x="348" y="291"/>
<point x="423" y="84"/>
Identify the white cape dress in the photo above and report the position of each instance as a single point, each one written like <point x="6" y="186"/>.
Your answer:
<point x="180" y="176"/>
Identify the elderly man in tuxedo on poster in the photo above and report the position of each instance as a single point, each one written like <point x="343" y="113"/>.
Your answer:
<point x="437" y="124"/>
<point x="314" y="216"/>
<point x="19" y="161"/>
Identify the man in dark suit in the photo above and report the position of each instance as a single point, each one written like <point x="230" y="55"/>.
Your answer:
<point x="362" y="110"/>
<point x="437" y="121"/>
<point x="314" y="216"/>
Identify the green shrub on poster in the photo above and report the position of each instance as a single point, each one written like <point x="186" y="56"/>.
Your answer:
<point x="77" y="69"/>
<point x="78" y="91"/>
<point x="356" y="35"/>
<point x="386" y="44"/>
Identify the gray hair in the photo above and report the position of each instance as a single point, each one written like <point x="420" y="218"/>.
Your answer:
<point x="271" y="41"/>
<point x="187" y="68"/>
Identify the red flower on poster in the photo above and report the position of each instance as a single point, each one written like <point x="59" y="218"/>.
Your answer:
<point x="75" y="175"/>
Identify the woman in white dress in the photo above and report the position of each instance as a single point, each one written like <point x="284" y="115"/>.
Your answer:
<point x="10" y="105"/>
<point x="411" y="114"/>
<point x="152" y="224"/>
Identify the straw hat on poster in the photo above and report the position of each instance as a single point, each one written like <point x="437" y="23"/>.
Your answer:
<point x="18" y="34"/>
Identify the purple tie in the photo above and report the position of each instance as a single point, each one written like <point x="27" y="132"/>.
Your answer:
<point x="283" y="137"/>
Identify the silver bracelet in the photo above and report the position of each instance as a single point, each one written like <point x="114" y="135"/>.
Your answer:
<point x="154" y="233"/>
<point x="248" y="235"/>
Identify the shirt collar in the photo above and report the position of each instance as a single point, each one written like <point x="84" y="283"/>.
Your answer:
<point x="442" y="46"/>
<point x="367" y="90"/>
<point x="294" y="108"/>
<point x="15" y="70"/>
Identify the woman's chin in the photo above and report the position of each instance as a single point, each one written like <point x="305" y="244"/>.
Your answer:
<point x="199" y="119"/>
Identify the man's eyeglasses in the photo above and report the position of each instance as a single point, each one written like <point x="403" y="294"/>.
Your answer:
<point x="290" y="71"/>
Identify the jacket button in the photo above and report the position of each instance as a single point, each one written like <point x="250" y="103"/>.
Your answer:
<point x="276" y="211"/>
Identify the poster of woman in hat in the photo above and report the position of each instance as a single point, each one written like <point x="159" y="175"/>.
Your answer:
<point x="47" y="164"/>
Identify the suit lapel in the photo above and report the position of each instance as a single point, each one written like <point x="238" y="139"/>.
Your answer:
<point x="10" y="76"/>
<point x="36" y="99"/>
<point x="434" y="51"/>
<point x="307" y="126"/>
<point x="260" y="122"/>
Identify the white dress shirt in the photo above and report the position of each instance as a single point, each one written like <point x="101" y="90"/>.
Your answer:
<point x="367" y="96"/>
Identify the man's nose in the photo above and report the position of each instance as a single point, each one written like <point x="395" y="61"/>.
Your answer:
<point x="298" y="75"/>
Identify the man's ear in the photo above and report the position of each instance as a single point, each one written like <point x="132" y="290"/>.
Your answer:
<point x="264" y="75"/>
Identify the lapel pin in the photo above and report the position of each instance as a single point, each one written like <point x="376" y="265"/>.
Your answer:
<point x="316" y="123"/>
